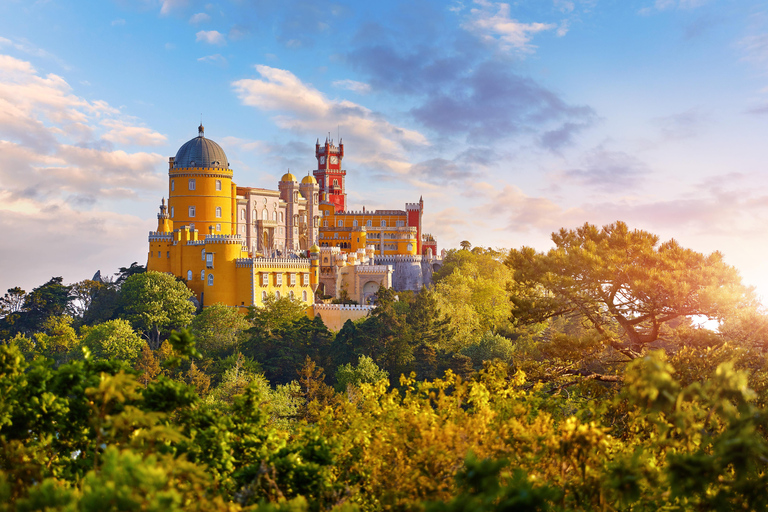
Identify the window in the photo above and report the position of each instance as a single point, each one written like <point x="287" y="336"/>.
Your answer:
<point x="218" y="212"/>
<point x="202" y="275"/>
<point x="400" y="223"/>
<point x="173" y="186"/>
<point x="192" y="184"/>
<point x="277" y="294"/>
<point x="279" y="279"/>
<point x="158" y="254"/>
<point x="354" y="223"/>
<point x="264" y="279"/>
<point x="295" y="197"/>
<point x="264" y="295"/>
<point x="172" y="212"/>
<point x="281" y="216"/>
<point x="315" y="198"/>
<point x="218" y="227"/>
<point x="369" y="223"/>
<point x="264" y="214"/>
<point x="292" y="295"/>
<point x="274" y="216"/>
<point x="167" y="254"/>
<point x="191" y="211"/>
<point x="304" y="295"/>
<point x="242" y="228"/>
<point x="293" y="279"/>
<point x="325" y="223"/>
<point x="305" y="280"/>
<point x="255" y="217"/>
<point x="218" y="184"/>
<point x="242" y="214"/>
<point x="189" y="275"/>
<point x="340" y="223"/>
<point x="209" y="261"/>
<point x="281" y="230"/>
<point x="383" y="223"/>
<point x="335" y="183"/>
<point x="202" y="254"/>
<point x="210" y="279"/>
<point x="192" y="226"/>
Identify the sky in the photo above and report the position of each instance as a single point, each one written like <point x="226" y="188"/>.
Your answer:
<point x="512" y="120"/>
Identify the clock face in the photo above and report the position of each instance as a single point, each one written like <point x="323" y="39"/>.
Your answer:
<point x="334" y="159"/>
<point x="322" y="160"/>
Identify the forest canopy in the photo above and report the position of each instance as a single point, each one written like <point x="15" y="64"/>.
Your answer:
<point x="572" y="379"/>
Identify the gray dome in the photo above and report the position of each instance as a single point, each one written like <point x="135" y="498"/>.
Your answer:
<point x="201" y="152"/>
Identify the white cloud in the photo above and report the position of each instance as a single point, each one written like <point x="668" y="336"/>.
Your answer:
<point x="217" y="59"/>
<point x="200" y="17"/>
<point x="166" y="6"/>
<point x="352" y="85"/>
<point x="305" y="110"/>
<point x="121" y="132"/>
<point x="492" y="22"/>
<point x="211" y="37"/>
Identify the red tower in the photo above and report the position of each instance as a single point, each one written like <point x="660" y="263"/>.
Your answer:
<point x="329" y="174"/>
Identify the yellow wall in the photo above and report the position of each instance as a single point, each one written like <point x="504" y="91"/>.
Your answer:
<point x="205" y="198"/>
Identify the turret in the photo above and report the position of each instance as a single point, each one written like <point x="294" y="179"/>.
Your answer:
<point x="314" y="265"/>
<point x="164" y="223"/>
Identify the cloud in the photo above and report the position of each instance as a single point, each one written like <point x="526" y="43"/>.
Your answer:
<point x="211" y="37"/>
<point x="121" y="132"/>
<point x="492" y="22"/>
<point x="166" y="6"/>
<point x="608" y="171"/>
<point x="683" y="125"/>
<point x="200" y="17"/>
<point x="216" y="59"/>
<point x="758" y="110"/>
<point x="494" y="103"/>
<point x="56" y="144"/>
<point x="352" y="85"/>
<point x="305" y="110"/>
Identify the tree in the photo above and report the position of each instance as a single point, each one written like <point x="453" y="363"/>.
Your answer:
<point x="366" y="371"/>
<point x="12" y="301"/>
<point x="123" y="273"/>
<point x="114" y="339"/>
<point x="623" y="283"/>
<point x="219" y="329"/>
<point x="83" y="293"/>
<point x="147" y="365"/>
<point x="465" y="245"/>
<point x="156" y="303"/>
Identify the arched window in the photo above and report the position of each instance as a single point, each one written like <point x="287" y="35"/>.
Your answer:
<point x="383" y="223"/>
<point x="304" y="295"/>
<point x="264" y="214"/>
<point x="210" y="279"/>
<point x="292" y="297"/>
<point x="274" y="216"/>
<point x="410" y="247"/>
<point x="189" y="275"/>
<point x="173" y="186"/>
<point x="264" y="295"/>
<point x="218" y="212"/>
<point x="277" y="294"/>
<point x="218" y="227"/>
<point x="202" y="275"/>
<point x="281" y="216"/>
<point x="172" y="211"/>
<point x="202" y="254"/>
<point x="255" y="215"/>
<point x="369" y="223"/>
<point x="218" y="184"/>
<point x="242" y="214"/>
<point x="191" y="211"/>
<point x="295" y="197"/>
<point x="192" y="184"/>
<point x="354" y="223"/>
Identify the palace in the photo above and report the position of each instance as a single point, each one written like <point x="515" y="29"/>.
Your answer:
<point x="236" y="245"/>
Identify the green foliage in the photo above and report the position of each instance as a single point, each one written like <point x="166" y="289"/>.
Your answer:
<point x="113" y="339"/>
<point x="219" y="330"/>
<point x="156" y="303"/>
<point x="488" y="348"/>
<point x="366" y="371"/>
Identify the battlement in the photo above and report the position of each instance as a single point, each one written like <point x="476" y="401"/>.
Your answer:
<point x="332" y="250"/>
<point x="301" y="264"/>
<point x="373" y="269"/>
<point x="342" y="307"/>
<point x="398" y="258"/>
<point x="224" y="239"/>
<point x="412" y="206"/>
<point x="159" y="236"/>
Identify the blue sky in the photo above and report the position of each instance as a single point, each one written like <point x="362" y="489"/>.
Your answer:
<point x="512" y="120"/>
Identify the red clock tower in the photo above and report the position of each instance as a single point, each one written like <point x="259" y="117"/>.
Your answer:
<point x="329" y="174"/>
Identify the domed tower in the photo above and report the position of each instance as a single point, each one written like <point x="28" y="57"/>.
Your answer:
<point x="200" y="187"/>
